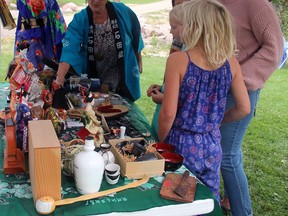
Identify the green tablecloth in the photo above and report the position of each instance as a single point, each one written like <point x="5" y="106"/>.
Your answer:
<point x="16" y="196"/>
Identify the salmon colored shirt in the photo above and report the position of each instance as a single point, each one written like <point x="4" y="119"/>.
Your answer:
<point x="259" y="39"/>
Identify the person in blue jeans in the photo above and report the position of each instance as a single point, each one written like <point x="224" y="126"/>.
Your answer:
<point x="260" y="43"/>
<point x="232" y="170"/>
<point x="197" y="82"/>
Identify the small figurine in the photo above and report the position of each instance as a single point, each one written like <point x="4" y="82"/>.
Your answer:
<point x="47" y="98"/>
<point x="89" y="110"/>
<point x="37" y="112"/>
<point x="23" y="115"/>
<point x="94" y="125"/>
<point x="57" y="122"/>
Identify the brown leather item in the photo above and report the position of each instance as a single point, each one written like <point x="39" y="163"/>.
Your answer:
<point x="181" y="189"/>
<point x="172" y="181"/>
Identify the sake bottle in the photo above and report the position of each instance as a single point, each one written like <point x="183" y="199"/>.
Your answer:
<point x="88" y="168"/>
<point x="106" y="153"/>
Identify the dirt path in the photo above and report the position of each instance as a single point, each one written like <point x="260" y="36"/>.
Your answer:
<point x="138" y="9"/>
<point x="153" y="7"/>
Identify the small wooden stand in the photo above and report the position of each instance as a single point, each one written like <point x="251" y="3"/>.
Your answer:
<point x="44" y="160"/>
<point x="14" y="160"/>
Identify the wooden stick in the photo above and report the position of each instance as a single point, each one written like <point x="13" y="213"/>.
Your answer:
<point x="102" y="193"/>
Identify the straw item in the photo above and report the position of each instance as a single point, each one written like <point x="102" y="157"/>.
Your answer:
<point x="70" y="151"/>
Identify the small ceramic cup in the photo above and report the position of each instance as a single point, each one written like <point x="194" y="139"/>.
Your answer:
<point x="112" y="173"/>
<point x="122" y="132"/>
<point x="112" y="169"/>
<point x="112" y="179"/>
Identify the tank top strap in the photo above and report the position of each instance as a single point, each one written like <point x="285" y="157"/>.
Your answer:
<point x="188" y="56"/>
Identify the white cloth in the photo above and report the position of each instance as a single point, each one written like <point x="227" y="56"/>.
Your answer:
<point x="285" y="54"/>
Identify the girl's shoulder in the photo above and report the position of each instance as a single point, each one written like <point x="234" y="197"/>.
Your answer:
<point x="234" y="65"/>
<point x="178" y="55"/>
<point x="177" y="60"/>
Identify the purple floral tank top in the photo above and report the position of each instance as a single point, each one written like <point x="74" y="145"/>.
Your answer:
<point x="202" y="98"/>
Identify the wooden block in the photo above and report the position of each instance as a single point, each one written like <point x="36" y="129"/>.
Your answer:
<point x="44" y="160"/>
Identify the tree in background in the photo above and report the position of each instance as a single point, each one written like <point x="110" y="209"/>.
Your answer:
<point x="282" y="10"/>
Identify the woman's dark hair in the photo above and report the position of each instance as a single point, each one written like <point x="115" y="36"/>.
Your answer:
<point x="173" y="3"/>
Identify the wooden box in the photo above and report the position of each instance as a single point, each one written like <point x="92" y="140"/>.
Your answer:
<point x="136" y="170"/>
<point x="44" y="160"/>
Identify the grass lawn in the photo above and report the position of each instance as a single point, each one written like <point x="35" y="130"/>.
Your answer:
<point x="266" y="149"/>
<point x="153" y="72"/>
<point x="6" y="55"/>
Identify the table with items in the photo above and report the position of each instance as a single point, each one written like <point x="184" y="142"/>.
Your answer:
<point x="16" y="197"/>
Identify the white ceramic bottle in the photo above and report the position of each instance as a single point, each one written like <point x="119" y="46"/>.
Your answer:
<point x="88" y="168"/>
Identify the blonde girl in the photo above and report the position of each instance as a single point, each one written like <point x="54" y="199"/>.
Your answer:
<point x="155" y="91"/>
<point x="196" y="85"/>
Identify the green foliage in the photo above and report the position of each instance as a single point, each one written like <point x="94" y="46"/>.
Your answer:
<point x="282" y="10"/>
<point x="6" y="56"/>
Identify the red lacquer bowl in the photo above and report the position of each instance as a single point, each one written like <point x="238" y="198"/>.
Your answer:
<point x="163" y="147"/>
<point x="173" y="161"/>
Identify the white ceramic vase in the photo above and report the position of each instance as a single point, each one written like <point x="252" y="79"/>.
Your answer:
<point x="88" y="168"/>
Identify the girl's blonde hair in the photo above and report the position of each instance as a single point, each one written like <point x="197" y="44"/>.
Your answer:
<point x="210" y="23"/>
<point x="176" y="14"/>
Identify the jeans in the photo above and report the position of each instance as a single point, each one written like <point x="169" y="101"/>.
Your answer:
<point x="234" y="177"/>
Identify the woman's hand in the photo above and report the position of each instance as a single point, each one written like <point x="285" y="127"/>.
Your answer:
<point x="59" y="82"/>
<point x="157" y="96"/>
<point x="55" y="86"/>
<point x="61" y="73"/>
<point x="152" y="88"/>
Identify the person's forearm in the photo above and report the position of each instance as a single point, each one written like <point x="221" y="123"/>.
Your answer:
<point x="235" y="114"/>
<point x="163" y="130"/>
<point x="61" y="73"/>
<point x="165" y="123"/>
